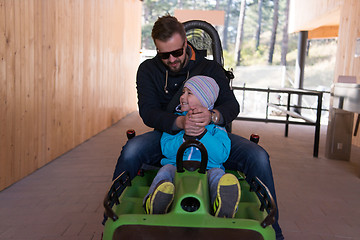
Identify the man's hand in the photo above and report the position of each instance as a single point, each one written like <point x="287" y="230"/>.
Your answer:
<point x="200" y="115"/>
<point x="196" y="120"/>
<point x="190" y="126"/>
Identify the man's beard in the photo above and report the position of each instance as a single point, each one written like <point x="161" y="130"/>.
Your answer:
<point x="179" y="66"/>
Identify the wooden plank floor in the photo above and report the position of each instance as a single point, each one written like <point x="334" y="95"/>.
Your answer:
<point x="318" y="197"/>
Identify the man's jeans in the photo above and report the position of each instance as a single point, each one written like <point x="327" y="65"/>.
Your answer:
<point x="245" y="156"/>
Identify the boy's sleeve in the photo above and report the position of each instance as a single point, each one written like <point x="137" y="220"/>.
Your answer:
<point x="170" y="144"/>
<point x="217" y="144"/>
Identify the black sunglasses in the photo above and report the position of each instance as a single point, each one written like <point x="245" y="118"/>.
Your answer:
<point x="175" y="53"/>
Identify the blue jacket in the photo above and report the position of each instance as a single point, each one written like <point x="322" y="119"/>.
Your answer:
<point x="215" y="140"/>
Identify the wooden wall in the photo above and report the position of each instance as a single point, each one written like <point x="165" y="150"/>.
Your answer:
<point x="67" y="72"/>
<point x="349" y="30"/>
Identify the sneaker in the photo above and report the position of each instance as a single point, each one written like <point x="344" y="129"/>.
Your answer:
<point x="160" y="200"/>
<point x="228" y="196"/>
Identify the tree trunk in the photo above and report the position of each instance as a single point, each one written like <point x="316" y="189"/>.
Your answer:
<point x="226" y="25"/>
<point x="217" y="5"/>
<point x="273" y="32"/>
<point x="258" y="29"/>
<point x="240" y="33"/>
<point x="285" y="40"/>
<point x="180" y="4"/>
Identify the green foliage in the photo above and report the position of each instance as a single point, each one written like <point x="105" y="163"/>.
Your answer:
<point x="229" y="61"/>
<point x="320" y="63"/>
<point x="251" y="56"/>
<point x="321" y="54"/>
<point x="146" y="41"/>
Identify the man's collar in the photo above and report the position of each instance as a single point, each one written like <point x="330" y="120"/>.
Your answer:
<point x="191" y="53"/>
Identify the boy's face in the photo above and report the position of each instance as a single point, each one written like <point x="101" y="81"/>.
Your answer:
<point x="174" y="45"/>
<point x="188" y="100"/>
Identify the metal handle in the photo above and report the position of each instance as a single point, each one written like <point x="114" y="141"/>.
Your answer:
<point x="180" y="154"/>
<point x="255" y="138"/>
<point x="130" y="133"/>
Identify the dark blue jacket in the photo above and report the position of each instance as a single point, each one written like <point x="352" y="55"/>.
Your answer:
<point x="153" y="99"/>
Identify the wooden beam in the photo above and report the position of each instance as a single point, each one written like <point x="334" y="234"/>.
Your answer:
<point x="306" y="15"/>
<point x="213" y="17"/>
<point x="324" y="32"/>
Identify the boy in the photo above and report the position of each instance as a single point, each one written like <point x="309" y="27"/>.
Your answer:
<point x="224" y="188"/>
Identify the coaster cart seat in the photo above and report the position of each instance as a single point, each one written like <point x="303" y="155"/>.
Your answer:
<point x="205" y="38"/>
<point x="190" y="215"/>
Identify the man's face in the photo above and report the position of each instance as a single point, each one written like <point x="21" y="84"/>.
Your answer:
<point x="167" y="50"/>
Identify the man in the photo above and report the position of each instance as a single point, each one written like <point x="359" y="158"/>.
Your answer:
<point x="158" y="82"/>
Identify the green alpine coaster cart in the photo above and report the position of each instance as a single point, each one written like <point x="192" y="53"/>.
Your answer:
<point x="189" y="216"/>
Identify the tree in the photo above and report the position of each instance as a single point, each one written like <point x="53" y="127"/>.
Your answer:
<point x="273" y="32"/>
<point x="226" y="25"/>
<point x="258" y="29"/>
<point x="240" y="33"/>
<point x="285" y="40"/>
<point x="257" y="12"/>
<point x="217" y="4"/>
<point x="194" y="4"/>
<point x="180" y="4"/>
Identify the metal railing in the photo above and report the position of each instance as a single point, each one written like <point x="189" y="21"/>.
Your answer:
<point x="291" y="111"/>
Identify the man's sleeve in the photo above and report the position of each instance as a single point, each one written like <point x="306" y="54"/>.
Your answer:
<point x="149" y="101"/>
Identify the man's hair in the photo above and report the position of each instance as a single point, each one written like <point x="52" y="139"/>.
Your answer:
<point x="165" y="27"/>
